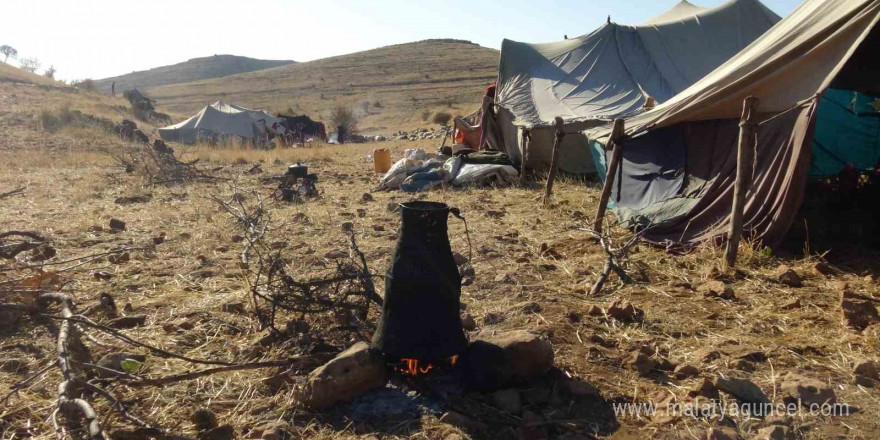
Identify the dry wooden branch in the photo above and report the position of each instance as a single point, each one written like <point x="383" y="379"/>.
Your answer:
<point x="615" y="257"/>
<point x="13" y="192"/>
<point x="207" y="372"/>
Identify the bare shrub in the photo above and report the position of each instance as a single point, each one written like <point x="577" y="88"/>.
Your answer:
<point x="442" y="118"/>
<point x="426" y="114"/>
<point x="29" y="64"/>
<point x="84" y="84"/>
<point x="344" y="117"/>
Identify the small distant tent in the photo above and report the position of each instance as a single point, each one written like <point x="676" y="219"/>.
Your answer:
<point x="811" y="74"/>
<point x="611" y="72"/>
<point x="221" y="120"/>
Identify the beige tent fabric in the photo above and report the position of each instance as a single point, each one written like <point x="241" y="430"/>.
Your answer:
<point x="680" y="11"/>
<point x="220" y="119"/>
<point x="789" y="64"/>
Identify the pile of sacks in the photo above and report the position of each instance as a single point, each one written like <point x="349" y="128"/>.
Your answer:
<point x="419" y="171"/>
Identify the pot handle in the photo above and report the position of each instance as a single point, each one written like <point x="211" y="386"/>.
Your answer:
<point x="457" y="213"/>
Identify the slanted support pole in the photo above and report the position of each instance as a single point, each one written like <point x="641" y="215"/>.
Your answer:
<point x="526" y="138"/>
<point x="616" y="143"/>
<point x="744" y="159"/>
<point x="554" y="162"/>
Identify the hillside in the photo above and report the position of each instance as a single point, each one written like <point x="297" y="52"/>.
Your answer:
<point x="390" y="88"/>
<point x="192" y="70"/>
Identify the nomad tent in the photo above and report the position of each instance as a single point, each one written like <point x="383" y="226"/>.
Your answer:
<point x="218" y="121"/>
<point x="611" y="72"/>
<point x="680" y="159"/>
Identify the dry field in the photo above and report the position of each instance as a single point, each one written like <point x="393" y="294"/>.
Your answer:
<point x="534" y="266"/>
<point x="389" y="87"/>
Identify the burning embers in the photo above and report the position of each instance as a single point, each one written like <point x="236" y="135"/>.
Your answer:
<point x="416" y="368"/>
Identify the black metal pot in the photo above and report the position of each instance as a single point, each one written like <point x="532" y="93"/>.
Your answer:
<point x="420" y="316"/>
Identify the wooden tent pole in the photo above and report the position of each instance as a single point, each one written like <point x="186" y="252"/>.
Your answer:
<point x="616" y="142"/>
<point x="744" y="159"/>
<point x="554" y="161"/>
<point x="526" y="138"/>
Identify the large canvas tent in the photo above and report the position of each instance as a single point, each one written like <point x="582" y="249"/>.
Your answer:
<point x="679" y="159"/>
<point x="611" y="72"/>
<point x="218" y="121"/>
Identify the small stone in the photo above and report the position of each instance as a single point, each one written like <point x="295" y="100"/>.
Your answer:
<point x="468" y="322"/>
<point x="641" y="363"/>
<point x="775" y="432"/>
<point x="595" y="310"/>
<point x="13" y="365"/>
<point x="462" y="421"/>
<point x="864" y="381"/>
<point x="101" y="275"/>
<point x="867" y="368"/>
<point x="204" y="419"/>
<point x="685" y="371"/>
<point x="625" y="312"/>
<point x="858" y="313"/>
<point x="806" y="391"/>
<point x="573" y="316"/>
<point x="234" y="307"/>
<point x="793" y="304"/>
<point x="787" y="276"/>
<point x="128" y="321"/>
<point x="122" y="258"/>
<point x="704" y="388"/>
<point x="720" y="433"/>
<point x="276" y="430"/>
<point x="716" y="289"/>
<point x="507" y="400"/>
<point x="117" y="225"/>
<point x="224" y="432"/>
<point x="822" y="270"/>
<point x="367" y="197"/>
<point x="347" y="227"/>
<point x="742" y="389"/>
<point x="459" y="259"/>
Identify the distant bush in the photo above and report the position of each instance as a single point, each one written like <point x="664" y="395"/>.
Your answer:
<point x="442" y="118"/>
<point x="377" y="104"/>
<point x="344" y="117"/>
<point x="84" y="84"/>
<point x="29" y="64"/>
<point x="51" y="120"/>
<point x="426" y="114"/>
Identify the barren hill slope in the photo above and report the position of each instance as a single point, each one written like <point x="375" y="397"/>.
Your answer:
<point x="192" y="70"/>
<point x="390" y="88"/>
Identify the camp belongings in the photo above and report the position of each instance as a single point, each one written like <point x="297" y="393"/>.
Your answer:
<point x="678" y="173"/>
<point x="611" y="73"/>
<point x="418" y="171"/>
<point x="220" y="121"/>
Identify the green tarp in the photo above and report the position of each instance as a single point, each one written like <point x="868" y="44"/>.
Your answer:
<point x="847" y="132"/>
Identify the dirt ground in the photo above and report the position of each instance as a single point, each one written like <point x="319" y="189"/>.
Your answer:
<point x="534" y="267"/>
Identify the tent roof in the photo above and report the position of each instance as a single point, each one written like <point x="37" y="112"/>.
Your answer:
<point x="797" y="59"/>
<point x="610" y="72"/>
<point x="680" y="11"/>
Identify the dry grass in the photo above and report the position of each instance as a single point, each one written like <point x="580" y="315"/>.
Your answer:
<point x="188" y="278"/>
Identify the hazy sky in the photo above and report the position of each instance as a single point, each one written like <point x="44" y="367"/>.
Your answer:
<point x="101" y="38"/>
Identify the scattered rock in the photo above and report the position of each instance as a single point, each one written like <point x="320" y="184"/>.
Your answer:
<point x="352" y="373"/>
<point x="685" y="371"/>
<point x="742" y="389"/>
<point x="595" y="310"/>
<point x="625" y="312"/>
<point x="704" y="388"/>
<point x="468" y="322"/>
<point x="507" y="359"/>
<point x="462" y="421"/>
<point x="857" y="313"/>
<point x="864" y="381"/>
<point x="787" y="276"/>
<point x="276" y="430"/>
<point x="867" y="368"/>
<point x="224" y="432"/>
<point x="640" y="362"/>
<point x="507" y="400"/>
<point x="716" y="289"/>
<point x="117" y="225"/>
<point x="128" y="321"/>
<point x="13" y="365"/>
<point x="234" y="307"/>
<point x="822" y="270"/>
<point x="775" y="432"/>
<point x="204" y="419"/>
<point x="793" y="304"/>
<point x="573" y="316"/>
<point x="367" y="197"/>
<point x="493" y="318"/>
<point x="122" y="258"/>
<point x="806" y="391"/>
<point x="720" y="433"/>
<point x="101" y="275"/>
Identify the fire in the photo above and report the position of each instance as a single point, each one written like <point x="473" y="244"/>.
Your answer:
<point x="414" y="367"/>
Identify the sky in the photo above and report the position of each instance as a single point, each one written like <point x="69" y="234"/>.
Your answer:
<point x="102" y="38"/>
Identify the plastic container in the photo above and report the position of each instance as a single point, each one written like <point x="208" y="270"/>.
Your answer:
<point x="381" y="160"/>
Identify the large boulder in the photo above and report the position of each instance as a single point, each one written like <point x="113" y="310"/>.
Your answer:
<point x="350" y="374"/>
<point x="806" y="391"/>
<point x="506" y="359"/>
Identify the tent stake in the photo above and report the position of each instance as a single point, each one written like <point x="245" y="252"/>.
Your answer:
<point x="526" y="138"/>
<point x="744" y="159"/>
<point x="615" y="140"/>
<point x="554" y="162"/>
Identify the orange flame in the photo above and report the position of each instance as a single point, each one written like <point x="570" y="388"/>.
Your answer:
<point x="413" y="367"/>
